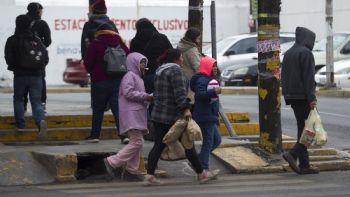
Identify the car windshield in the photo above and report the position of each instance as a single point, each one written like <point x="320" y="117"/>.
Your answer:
<point x="221" y="45"/>
<point x="337" y="40"/>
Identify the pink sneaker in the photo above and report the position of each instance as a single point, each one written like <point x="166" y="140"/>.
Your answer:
<point x="151" y="180"/>
<point x="207" y="176"/>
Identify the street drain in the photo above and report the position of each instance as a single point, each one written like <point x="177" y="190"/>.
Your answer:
<point x="39" y="143"/>
<point x="90" y="164"/>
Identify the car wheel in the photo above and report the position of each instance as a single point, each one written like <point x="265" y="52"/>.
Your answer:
<point x="83" y="85"/>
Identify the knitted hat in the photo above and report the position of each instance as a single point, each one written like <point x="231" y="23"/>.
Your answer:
<point x="34" y="7"/>
<point x="99" y="7"/>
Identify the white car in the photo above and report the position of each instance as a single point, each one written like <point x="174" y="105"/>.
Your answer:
<point x="341" y="47"/>
<point x="240" y="49"/>
<point x="341" y="74"/>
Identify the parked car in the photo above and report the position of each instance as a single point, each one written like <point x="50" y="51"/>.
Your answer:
<point x="239" y="49"/>
<point x="76" y="73"/>
<point x="245" y="74"/>
<point x="341" y="74"/>
<point x="341" y="47"/>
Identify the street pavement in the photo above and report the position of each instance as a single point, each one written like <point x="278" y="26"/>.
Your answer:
<point x="325" y="184"/>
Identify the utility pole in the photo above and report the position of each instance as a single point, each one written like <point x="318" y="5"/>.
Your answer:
<point x="269" y="75"/>
<point x="329" y="46"/>
<point x="195" y="17"/>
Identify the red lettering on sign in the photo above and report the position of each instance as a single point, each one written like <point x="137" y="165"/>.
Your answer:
<point x="68" y="24"/>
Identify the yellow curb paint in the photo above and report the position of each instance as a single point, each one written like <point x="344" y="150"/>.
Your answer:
<point x="235" y="117"/>
<point x="240" y="129"/>
<point x="8" y="122"/>
<point x="322" y="151"/>
<point x="61" y="134"/>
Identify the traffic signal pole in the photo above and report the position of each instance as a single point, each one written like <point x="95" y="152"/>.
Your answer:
<point x="269" y="75"/>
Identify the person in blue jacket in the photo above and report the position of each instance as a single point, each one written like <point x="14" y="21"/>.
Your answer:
<point x="206" y="106"/>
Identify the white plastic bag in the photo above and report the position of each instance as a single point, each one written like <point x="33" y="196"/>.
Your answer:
<point x="313" y="133"/>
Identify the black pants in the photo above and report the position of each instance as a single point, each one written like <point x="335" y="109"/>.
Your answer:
<point x="153" y="157"/>
<point x="301" y="110"/>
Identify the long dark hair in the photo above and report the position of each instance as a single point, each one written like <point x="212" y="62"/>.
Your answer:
<point x="169" y="56"/>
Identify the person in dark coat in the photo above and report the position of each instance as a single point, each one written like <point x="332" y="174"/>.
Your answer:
<point x="298" y="89"/>
<point x="104" y="89"/>
<point x="25" y="79"/>
<point x="41" y="29"/>
<point x="152" y="44"/>
<point x="97" y="18"/>
<point x="206" y="107"/>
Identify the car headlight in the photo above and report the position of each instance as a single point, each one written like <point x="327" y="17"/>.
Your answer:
<point x="241" y="71"/>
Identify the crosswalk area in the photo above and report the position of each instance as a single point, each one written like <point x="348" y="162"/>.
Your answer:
<point x="269" y="185"/>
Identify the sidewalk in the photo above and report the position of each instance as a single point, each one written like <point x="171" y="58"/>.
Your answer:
<point x="25" y="162"/>
<point x="320" y="91"/>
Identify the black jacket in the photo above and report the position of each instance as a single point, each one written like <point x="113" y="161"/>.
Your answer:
<point x="150" y="43"/>
<point x="298" y="69"/>
<point x="90" y="29"/>
<point x="41" y="29"/>
<point x="12" y="55"/>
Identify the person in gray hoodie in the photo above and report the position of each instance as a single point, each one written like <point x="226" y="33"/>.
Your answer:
<point x="298" y="89"/>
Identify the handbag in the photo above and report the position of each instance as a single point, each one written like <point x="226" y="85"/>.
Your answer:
<point x="313" y="132"/>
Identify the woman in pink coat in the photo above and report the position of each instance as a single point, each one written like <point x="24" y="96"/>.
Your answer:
<point x="133" y="121"/>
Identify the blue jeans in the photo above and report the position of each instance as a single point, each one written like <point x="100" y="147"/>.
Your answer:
<point x="33" y="84"/>
<point x="103" y="92"/>
<point x="211" y="140"/>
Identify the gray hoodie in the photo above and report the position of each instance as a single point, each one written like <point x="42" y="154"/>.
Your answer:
<point x="298" y="69"/>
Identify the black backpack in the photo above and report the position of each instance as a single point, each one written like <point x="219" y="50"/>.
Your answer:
<point x="33" y="53"/>
<point x="115" y="61"/>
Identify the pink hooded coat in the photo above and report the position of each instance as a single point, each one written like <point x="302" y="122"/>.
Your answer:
<point x="132" y="97"/>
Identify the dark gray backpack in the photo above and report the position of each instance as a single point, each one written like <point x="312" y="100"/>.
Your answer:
<point x="115" y="61"/>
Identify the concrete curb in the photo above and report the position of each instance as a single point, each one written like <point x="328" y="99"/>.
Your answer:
<point x="339" y="93"/>
<point x="61" y="166"/>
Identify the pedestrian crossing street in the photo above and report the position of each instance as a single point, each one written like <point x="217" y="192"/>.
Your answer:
<point x="227" y="185"/>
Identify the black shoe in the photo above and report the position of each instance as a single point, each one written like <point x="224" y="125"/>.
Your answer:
<point x="92" y="139"/>
<point x="127" y="176"/>
<point x="118" y="172"/>
<point x="291" y="161"/>
<point x="310" y="170"/>
<point x="109" y="170"/>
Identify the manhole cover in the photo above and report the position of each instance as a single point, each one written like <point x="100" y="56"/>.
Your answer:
<point x="47" y="143"/>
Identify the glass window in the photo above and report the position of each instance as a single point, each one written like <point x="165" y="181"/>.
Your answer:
<point x="346" y="49"/>
<point x="338" y="39"/>
<point x="243" y="46"/>
<point x="286" y="39"/>
<point x="221" y="45"/>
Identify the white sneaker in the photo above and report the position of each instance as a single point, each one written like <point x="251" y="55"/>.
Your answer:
<point x="19" y="129"/>
<point x="42" y="130"/>
<point x="151" y="180"/>
<point x="207" y="175"/>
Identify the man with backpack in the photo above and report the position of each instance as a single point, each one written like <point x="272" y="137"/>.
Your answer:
<point x="41" y="29"/>
<point x="27" y="57"/>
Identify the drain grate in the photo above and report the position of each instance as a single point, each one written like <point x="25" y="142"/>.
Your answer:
<point x="90" y="164"/>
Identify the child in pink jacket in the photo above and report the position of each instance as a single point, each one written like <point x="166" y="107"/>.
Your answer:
<point x="132" y="120"/>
